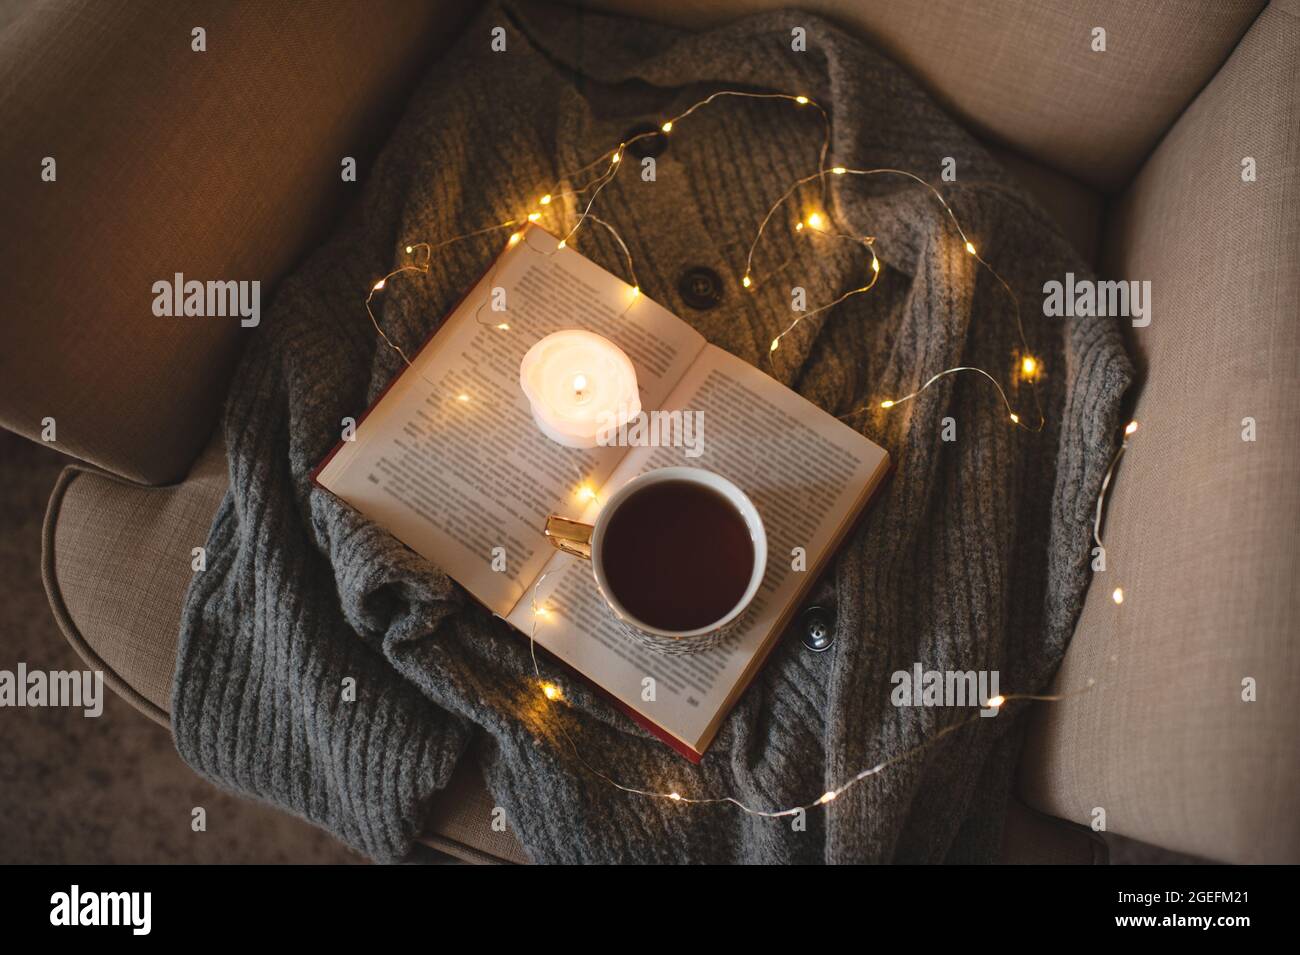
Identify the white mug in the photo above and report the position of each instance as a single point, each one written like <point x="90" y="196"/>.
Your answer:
<point x="586" y="541"/>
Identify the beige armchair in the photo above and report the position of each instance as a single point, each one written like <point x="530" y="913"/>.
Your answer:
<point x="174" y="161"/>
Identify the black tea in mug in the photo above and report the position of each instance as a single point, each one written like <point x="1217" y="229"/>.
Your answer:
<point x="677" y="555"/>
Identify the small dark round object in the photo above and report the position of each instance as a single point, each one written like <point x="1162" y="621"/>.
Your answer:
<point x="651" y="145"/>
<point x="817" y="627"/>
<point x="700" y="287"/>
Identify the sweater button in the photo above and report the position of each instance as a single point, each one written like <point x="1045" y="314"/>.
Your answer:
<point x="700" y="287"/>
<point x="817" y="629"/>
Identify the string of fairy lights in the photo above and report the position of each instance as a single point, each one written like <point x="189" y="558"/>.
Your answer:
<point x="820" y="223"/>
<point x="1130" y="429"/>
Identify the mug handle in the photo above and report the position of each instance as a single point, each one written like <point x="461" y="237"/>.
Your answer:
<point x="572" y="537"/>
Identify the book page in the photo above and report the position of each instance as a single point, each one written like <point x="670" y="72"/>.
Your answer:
<point x="450" y="460"/>
<point x="806" y="472"/>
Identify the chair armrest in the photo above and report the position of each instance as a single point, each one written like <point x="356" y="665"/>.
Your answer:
<point x="1203" y="526"/>
<point x="220" y="165"/>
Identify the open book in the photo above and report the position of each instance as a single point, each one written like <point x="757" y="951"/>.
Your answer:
<point x="450" y="461"/>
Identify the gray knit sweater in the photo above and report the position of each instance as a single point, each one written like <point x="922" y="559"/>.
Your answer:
<point x="973" y="556"/>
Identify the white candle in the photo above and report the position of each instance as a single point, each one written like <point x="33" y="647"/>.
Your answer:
<point x="581" y="387"/>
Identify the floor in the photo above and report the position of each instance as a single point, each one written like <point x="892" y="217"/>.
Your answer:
<point x="111" y="789"/>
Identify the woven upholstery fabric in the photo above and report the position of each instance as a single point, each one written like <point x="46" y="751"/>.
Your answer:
<point x="465" y="821"/>
<point x="1202" y="527"/>
<point x="1023" y="72"/>
<point x="219" y="165"/>
<point x="1076" y="208"/>
<point x="117" y="559"/>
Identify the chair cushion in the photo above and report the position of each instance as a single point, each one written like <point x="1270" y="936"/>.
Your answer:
<point x="1033" y="838"/>
<point x="464" y="822"/>
<point x="116" y="561"/>
<point x="1202" y="527"/>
